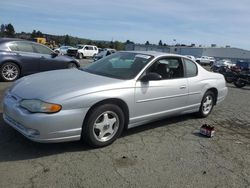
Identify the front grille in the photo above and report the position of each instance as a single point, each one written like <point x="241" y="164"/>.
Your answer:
<point x="71" y="52"/>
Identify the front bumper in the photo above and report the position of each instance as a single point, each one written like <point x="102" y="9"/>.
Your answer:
<point x="63" y="126"/>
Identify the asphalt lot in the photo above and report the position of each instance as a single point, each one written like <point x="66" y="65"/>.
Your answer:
<point x="167" y="153"/>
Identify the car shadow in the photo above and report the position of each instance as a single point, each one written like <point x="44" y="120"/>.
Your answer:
<point x="15" y="147"/>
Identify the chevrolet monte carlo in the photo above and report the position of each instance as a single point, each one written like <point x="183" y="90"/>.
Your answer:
<point x="97" y="102"/>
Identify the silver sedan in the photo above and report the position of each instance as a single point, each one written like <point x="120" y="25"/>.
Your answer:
<point x="120" y="91"/>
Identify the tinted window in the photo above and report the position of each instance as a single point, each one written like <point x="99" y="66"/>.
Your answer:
<point x="42" y="49"/>
<point x="24" y="47"/>
<point x="89" y="48"/>
<point x="168" y="68"/>
<point x="191" y="68"/>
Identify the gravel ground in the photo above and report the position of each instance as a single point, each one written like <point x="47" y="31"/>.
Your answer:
<point x="167" y="153"/>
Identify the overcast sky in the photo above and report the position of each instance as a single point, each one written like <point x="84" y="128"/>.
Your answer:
<point x="221" y="22"/>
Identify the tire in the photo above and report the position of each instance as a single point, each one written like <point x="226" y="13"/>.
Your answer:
<point x="207" y="104"/>
<point x="72" y="66"/>
<point x="80" y="56"/>
<point x="103" y="125"/>
<point x="9" y="72"/>
<point x="229" y="79"/>
<point x="239" y="84"/>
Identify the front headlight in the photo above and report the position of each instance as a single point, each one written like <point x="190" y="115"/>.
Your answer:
<point x="37" y="106"/>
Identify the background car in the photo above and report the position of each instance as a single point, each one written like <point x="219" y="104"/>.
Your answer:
<point x="242" y="66"/>
<point x="191" y="57"/>
<point x="83" y="51"/>
<point x="218" y="65"/>
<point x="104" y="53"/>
<point x="21" y="57"/>
<point x="62" y="49"/>
<point x="205" y="60"/>
<point x="98" y="102"/>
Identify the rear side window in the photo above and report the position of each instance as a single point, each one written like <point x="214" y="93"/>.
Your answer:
<point x="24" y="47"/>
<point x="42" y="49"/>
<point x="13" y="46"/>
<point x="191" y="68"/>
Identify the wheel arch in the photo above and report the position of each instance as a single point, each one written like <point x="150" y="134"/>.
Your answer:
<point x="215" y="91"/>
<point x="115" y="101"/>
<point x="11" y="61"/>
<point x="77" y="64"/>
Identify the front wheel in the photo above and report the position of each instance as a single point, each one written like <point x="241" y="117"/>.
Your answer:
<point x="103" y="125"/>
<point x="207" y="104"/>
<point x="80" y="56"/>
<point x="9" y="71"/>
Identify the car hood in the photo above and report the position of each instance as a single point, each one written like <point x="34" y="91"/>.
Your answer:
<point x="62" y="83"/>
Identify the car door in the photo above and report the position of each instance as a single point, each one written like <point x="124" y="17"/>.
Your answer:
<point x="26" y="55"/>
<point x="47" y="60"/>
<point x="195" y="84"/>
<point x="169" y="95"/>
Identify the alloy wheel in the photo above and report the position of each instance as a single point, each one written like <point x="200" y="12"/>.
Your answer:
<point x="106" y="126"/>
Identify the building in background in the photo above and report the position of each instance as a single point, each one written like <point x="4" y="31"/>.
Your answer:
<point x="235" y="54"/>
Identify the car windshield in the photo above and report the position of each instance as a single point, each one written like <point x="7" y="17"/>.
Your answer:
<point x="121" y="65"/>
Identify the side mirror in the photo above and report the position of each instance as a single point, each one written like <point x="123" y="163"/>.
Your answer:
<point x="151" y="76"/>
<point x="54" y="54"/>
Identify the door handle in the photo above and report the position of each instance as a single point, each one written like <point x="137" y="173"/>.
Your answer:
<point x="183" y="87"/>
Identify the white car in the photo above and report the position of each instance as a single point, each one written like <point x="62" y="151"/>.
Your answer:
<point x="191" y="57"/>
<point x="205" y="60"/>
<point x="62" y="50"/>
<point x="226" y="62"/>
<point x="86" y="51"/>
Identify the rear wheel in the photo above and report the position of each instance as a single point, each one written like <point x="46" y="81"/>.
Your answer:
<point x="72" y="66"/>
<point x="9" y="71"/>
<point x="238" y="83"/>
<point x="103" y="125"/>
<point x="207" y="104"/>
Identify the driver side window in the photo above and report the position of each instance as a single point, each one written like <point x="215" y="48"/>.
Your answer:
<point x="168" y="68"/>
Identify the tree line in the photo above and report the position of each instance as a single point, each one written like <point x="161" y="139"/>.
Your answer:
<point x="8" y="30"/>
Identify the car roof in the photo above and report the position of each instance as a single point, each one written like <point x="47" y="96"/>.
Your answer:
<point x="155" y="53"/>
<point x="4" y="40"/>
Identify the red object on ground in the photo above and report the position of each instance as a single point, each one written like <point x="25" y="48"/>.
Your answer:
<point x="207" y="130"/>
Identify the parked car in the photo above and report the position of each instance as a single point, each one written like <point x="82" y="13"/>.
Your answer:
<point x="205" y="60"/>
<point x="83" y="51"/>
<point x="191" y="57"/>
<point x="104" y="53"/>
<point x="242" y="66"/>
<point x="217" y="66"/>
<point x="62" y="50"/>
<point x="96" y="103"/>
<point x="21" y="57"/>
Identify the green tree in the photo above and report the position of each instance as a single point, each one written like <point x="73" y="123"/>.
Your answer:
<point x="9" y="30"/>
<point x="119" y="45"/>
<point x="147" y="43"/>
<point x="2" y="30"/>
<point x="160" y="43"/>
<point x="66" y="40"/>
<point x="129" y="42"/>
